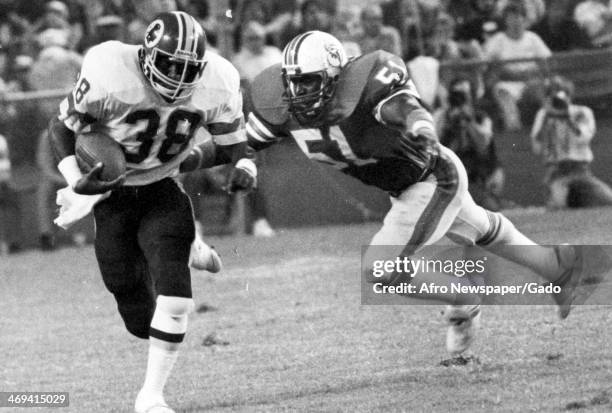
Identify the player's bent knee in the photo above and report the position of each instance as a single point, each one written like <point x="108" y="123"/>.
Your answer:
<point x="175" y="306"/>
<point x="501" y="230"/>
<point x="136" y="317"/>
<point x="140" y="330"/>
<point x="136" y="308"/>
<point x="169" y="322"/>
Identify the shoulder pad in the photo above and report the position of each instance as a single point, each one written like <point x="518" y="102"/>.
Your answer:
<point x="267" y="96"/>
<point x="352" y="83"/>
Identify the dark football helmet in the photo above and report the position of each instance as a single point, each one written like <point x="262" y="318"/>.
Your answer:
<point x="172" y="54"/>
<point x="311" y="66"/>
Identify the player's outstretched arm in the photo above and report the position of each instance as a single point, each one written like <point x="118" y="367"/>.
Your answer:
<point x="208" y="154"/>
<point x="404" y="112"/>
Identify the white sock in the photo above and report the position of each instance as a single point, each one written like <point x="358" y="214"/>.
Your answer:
<point x="159" y="366"/>
<point x="507" y="241"/>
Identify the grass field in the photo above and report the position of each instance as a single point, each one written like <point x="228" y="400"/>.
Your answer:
<point x="282" y="329"/>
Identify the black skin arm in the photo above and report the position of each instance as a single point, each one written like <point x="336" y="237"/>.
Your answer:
<point x="209" y="154"/>
<point x="63" y="139"/>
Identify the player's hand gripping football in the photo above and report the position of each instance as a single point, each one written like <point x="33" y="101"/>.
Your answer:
<point x="91" y="184"/>
<point x="242" y="177"/>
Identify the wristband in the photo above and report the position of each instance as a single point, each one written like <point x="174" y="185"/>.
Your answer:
<point x="70" y="170"/>
<point x="247" y="165"/>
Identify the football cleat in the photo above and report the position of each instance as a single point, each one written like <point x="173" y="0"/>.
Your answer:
<point x="203" y="257"/>
<point x="151" y="404"/>
<point x="570" y="260"/>
<point x="464" y="322"/>
<point x="262" y="229"/>
<point x="579" y="276"/>
<point x="158" y="408"/>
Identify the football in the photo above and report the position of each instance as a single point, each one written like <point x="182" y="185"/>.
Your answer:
<point x="94" y="147"/>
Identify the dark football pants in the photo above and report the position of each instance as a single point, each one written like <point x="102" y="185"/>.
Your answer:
<point x="143" y="240"/>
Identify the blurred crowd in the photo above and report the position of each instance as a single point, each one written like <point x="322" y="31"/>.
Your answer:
<point x="42" y="43"/>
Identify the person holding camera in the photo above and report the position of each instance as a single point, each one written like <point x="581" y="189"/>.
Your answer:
<point x="468" y="131"/>
<point x="561" y="135"/>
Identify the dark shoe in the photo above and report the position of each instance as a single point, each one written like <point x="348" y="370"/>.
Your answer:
<point x="14" y="248"/>
<point x="47" y="242"/>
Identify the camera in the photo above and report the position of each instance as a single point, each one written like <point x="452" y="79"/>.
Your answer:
<point x="457" y="98"/>
<point x="560" y="101"/>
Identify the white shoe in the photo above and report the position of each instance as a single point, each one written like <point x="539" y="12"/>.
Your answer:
<point x="157" y="408"/>
<point x="262" y="228"/>
<point x="151" y="404"/>
<point x="572" y="263"/>
<point x="582" y="269"/>
<point x="464" y="322"/>
<point x="203" y="257"/>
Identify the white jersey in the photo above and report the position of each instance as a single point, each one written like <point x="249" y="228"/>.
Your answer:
<point x="113" y="96"/>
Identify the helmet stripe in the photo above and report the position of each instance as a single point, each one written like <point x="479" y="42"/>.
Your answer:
<point x="182" y="40"/>
<point x="180" y="31"/>
<point x="196" y="34"/>
<point x="297" y="46"/>
<point x="189" y="32"/>
<point x="288" y="50"/>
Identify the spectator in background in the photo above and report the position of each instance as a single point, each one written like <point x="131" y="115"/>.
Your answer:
<point x="22" y="120"/>
<point x="558" y="28"/>
<point x="415" y="20"/>
<point x="445" y="49"/>
<point x="56" y="17"/>
<point x="314" y="15"/>
<point x="108" y="27"/>
<point x="468" y="131"/>
<point x="475" y="19"/>
<point x="5" y="161"/>
<point x="594" y="18"/>
<point x="274" y="15"/>
<point x="254" y="55"/>
<point x="90" y="11"/>
<point x="145" y="11"/>
<point x="509" y="80"/>
<point x="534" y="9"/>
<point x="10" y="217"/>
<point x="14" y="29"/>
<point x="561" y="135"/>
<point x="346" y="27"/>
<point x="374" y="35"/>
<point x="55" y="68"/>
<point x="50" y="181"/>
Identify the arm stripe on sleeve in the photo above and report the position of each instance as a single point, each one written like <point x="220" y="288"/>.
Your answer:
<point x="259" y="126"/>
<point x="252" y="133"/>
<point x="231" y="138"/>
<point x="422" y="124"/>
<point x="380" y="104"/>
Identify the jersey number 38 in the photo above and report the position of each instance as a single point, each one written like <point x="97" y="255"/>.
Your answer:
<point x="180" y="127"/>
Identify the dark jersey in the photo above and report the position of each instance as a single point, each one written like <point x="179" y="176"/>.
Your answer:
<point x="352" y="137"/>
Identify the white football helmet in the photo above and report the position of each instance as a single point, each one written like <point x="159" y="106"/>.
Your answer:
<point x="311" y="66"/>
